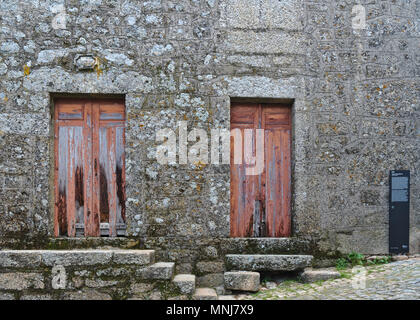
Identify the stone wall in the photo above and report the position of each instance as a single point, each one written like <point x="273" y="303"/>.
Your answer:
<point x="81" y="275"/>
<point x="362" y="103"/>
<point x="355" y="111"/>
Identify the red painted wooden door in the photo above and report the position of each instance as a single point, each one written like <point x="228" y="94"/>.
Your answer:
<point x="260" y="203"/>
<point x="89" y="168"/>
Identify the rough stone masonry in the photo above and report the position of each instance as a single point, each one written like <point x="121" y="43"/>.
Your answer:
<point x="355" y="96"/>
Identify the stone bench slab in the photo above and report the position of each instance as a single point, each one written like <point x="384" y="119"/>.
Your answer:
<point x="267" y="262"/>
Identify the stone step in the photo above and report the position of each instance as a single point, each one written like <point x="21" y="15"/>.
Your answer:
<point x="310" y="275"/>
<point x="267" y="262"/>
<point x="266" y="246"/>
<point x="242" y="281"/>
<point x="32" y="258"/>
<point x="136" y="257"/>
<point x="205" y="294"/>
<point x="158" y="271"/>
<point x="185" y="283"/>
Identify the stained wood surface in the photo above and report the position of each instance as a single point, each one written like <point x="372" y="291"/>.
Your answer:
<point x="89" y="167"/>
<point x="260" y="204"/>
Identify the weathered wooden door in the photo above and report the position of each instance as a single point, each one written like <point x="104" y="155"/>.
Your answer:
<point x="260" y="203"/>
<point x="89" y="167"/>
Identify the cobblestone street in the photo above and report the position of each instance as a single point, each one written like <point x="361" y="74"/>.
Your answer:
<point x="397" y="280"/>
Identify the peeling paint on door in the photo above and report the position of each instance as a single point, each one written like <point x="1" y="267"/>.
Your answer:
<point x="90" y="170"/>
<point x="260" y="204"/>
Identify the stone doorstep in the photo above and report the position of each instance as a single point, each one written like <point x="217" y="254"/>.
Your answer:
<point x="205" y="294"/>
<point x="265" y="245"/>
<point x="242" y="281"/>
<point x="35" y="258"/>
<point x="267" y="262"/>
<point x="185" y="283"/>
<point x="158" y="271"/>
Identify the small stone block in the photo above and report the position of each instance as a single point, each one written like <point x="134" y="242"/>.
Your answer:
<point x="20" y="281"/>
<point x="205" y="294"/>
<point x="20" y="258"/>
<point x="242" y="281"/>
<point x="159" y="271"/>
<point x="185" y="283"/>
<point x="319" y="275"/>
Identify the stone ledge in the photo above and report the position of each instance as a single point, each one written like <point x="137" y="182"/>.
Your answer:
<point x="265" y="245"/>
<point x="36" y="258"/>
<point x="137" y="257"/>
<point x="76" y="257"/>
<point x="268" y="262"/>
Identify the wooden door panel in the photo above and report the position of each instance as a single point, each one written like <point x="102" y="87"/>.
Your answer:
<point x="120" y="175"/>
<point x="243" y="193"/>
<point x="277" y="182"/>
<point x="71" y="185"/>
<point x="71" y="111"/>
<point x="111" y="180"/>
<point x="111" y="111"/>
<point x="244" y="114"/>
<point x="275" y="117"/>
<point x="91" y="226"/>
<point x="260" y="205"/>
<point x="243" y="187"/>
<point x="90" y="170"/>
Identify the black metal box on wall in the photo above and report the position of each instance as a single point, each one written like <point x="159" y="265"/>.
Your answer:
<point x="399" y="211"/>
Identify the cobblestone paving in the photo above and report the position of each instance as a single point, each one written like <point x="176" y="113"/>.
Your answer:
<point x="397" y="280"/>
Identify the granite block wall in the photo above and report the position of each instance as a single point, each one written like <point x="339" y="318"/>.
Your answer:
<point x="355" y="95"/>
